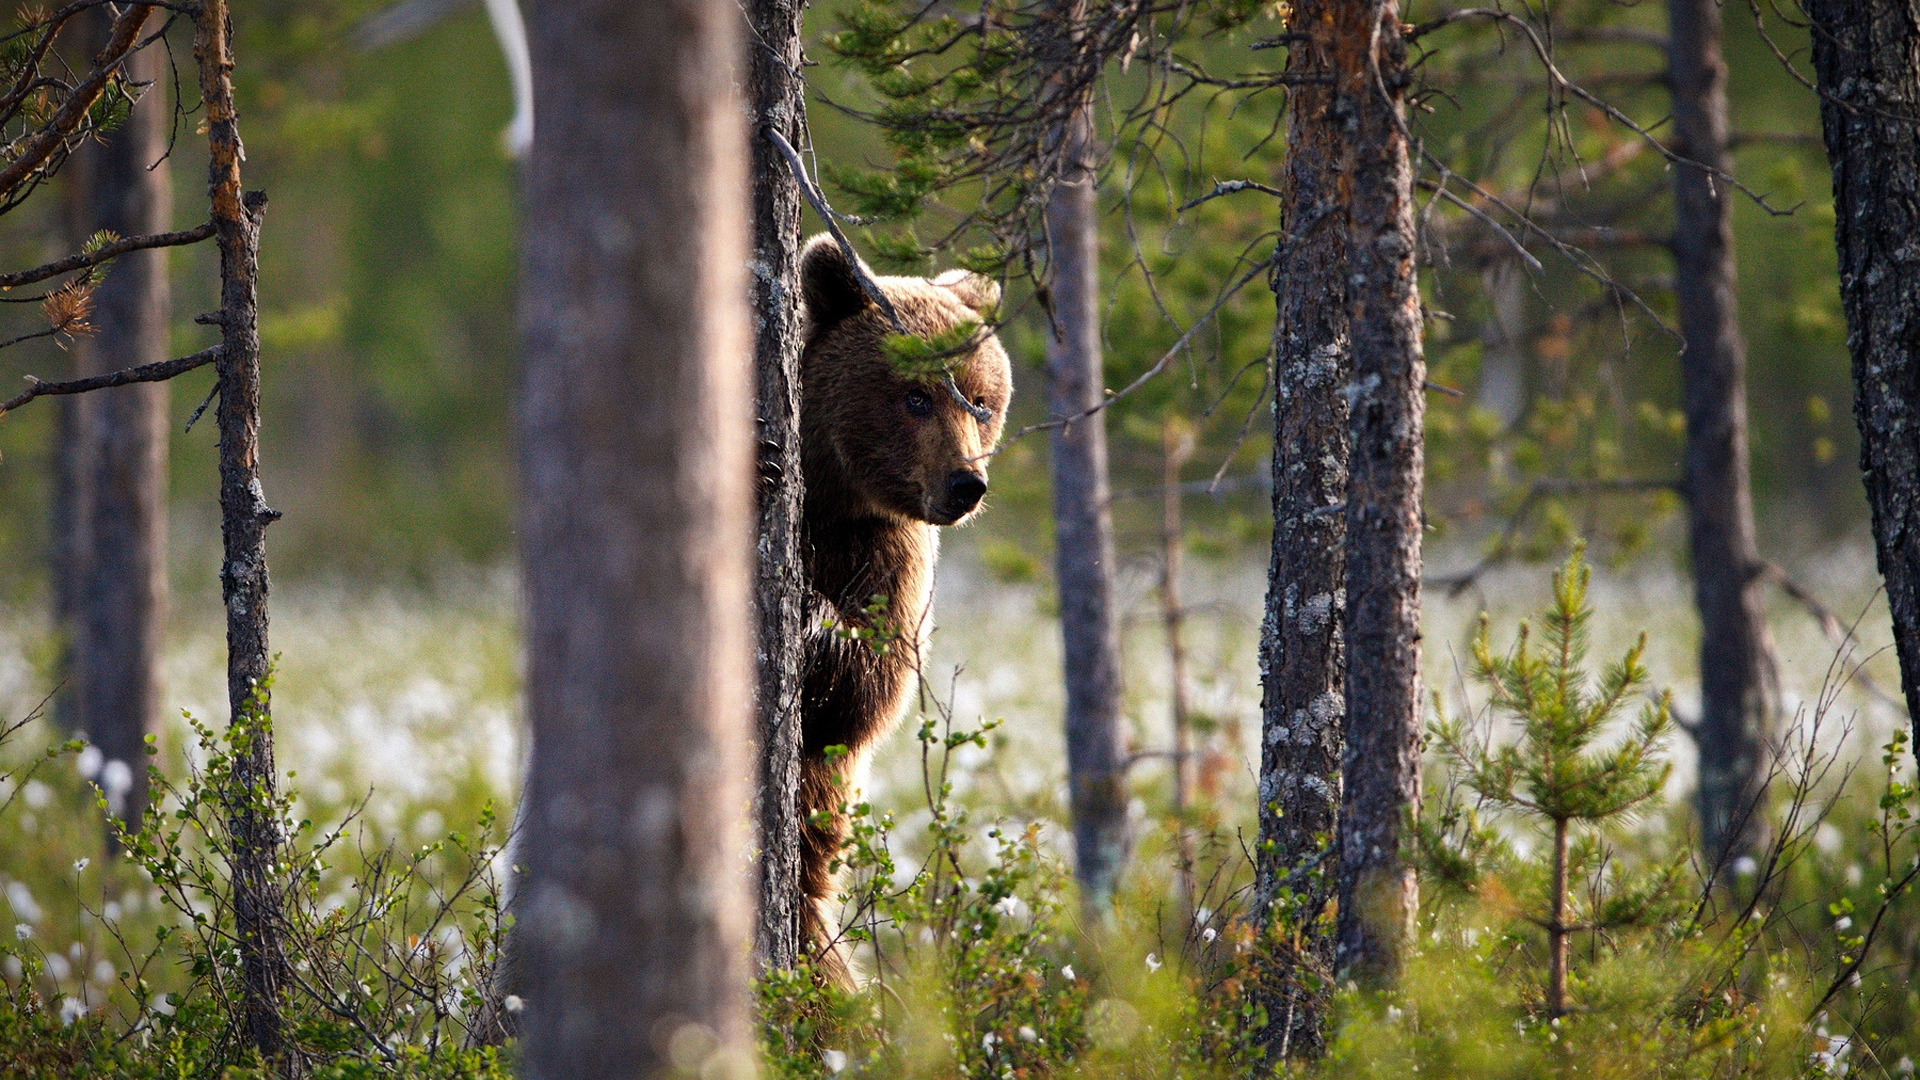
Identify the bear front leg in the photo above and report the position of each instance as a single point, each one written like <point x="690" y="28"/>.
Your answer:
<point x="852" y="694"/>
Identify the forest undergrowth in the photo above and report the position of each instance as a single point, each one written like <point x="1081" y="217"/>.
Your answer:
<point x="976" y="959"/>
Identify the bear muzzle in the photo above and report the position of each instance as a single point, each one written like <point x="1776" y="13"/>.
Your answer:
<point x="964" y="490"/>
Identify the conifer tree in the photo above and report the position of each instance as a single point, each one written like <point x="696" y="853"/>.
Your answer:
<point x="1562" y="772"/>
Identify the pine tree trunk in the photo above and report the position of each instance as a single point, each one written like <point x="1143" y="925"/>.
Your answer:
<point x="1736" y="651"/>
<point x="244" y="516"/>
<point x="123" y="601"/>
<point x="1302" y="665"/>
<point x="1866" y="54"/>
<point x="1083" y="532"/>
<point x="1177" y="447"/>
<point x="1380" y="767"/>
<point x="1558" y="936"/>
<point x="778" y="95"/>
<point x="637" y="514"/>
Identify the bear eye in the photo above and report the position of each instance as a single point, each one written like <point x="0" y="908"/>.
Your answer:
<point x="919" y="403"/>
<point x="980" y="403"/>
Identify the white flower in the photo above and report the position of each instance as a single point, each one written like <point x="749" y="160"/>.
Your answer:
<point x="1067" y="971"/>
<point x="80" y="864"/>
<point x="512" y="1003"/>
<point x="160" y="1004"/>
<point x="834" y="1060"/>
<point x="22" y="931"/>
<point x="1394" y="1012"/>
<point x="1207" y="935"/>
<point x="103" y="971"/>
<point x="36" y="794"/>
<point x="1843" y="922"/>
<point x="1027" y="1034"/>
<point x="71" y="1009"/>
<point x="1745" y="866"/>
<point x="20" y="898"/>
<point x="1153" y="962"/>
<point x="987" y="1041"/>
<point x="88" y="762"/>
<point x="1904" y="1066"/>
<point x="1202" y="916"/>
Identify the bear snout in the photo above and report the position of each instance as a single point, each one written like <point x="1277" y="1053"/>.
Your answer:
<point x="965" y="489"/>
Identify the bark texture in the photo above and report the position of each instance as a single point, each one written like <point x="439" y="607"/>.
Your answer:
<point x="1866" y="55"/>
<point x="1083" y="531"/>
<point x="1380" y="765"/>
<point x="637" y="545"/>
<point x="778" y="97"/>
<point x="122" y="603"/>
<point x="1302" y="659"/>
<point x="1736" y="651"/>
<point x="244" y="516"/>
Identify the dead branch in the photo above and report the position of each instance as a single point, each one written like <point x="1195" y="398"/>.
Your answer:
<point x="159" y="372"/>
<point x="125" y="37"/>
<point x="106" y="253"/>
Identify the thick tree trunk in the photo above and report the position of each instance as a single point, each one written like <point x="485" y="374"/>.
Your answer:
<point x="637" y="544"/>
<point x="1083" y="531"/>
<point x="1302" y="663"/>
<point x="116" y="665"/>
<point x="244" y="516"/>
<point x="1380" y="766"/>
<point x="1866" y="54"/>
<point x="1736" y="651"/>
<point x="779" y="102"/>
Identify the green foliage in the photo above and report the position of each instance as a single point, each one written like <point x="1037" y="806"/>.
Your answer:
<point x="1553" y="769"/>
<point x="391" y="950"/>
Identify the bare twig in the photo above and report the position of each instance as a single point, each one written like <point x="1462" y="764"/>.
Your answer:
<point x="1837" y="632"/>
<point x="1230" y="187"/>
<point x="166" y="369"/>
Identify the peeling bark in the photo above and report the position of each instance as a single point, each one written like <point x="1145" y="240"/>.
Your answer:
<point x="244" y="516"/>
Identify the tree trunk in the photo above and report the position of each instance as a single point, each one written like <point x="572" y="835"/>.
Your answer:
<point x="1380" y="766"/>
<point x="1866" y="54"/>
<point x="1177" y="447"/>
<point x="779" y="102"/>
<point x="123" y="601"/>
<point x="1736" y="651"/>
<point x="244" y="516"/>
<point x="636" y="541"/>
<point x="1083" y="531"/>
<point x="1302" y="659"/>
<point x="69" y="548"/>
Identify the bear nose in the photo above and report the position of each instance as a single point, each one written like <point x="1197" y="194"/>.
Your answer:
<point x="964" y="490"/>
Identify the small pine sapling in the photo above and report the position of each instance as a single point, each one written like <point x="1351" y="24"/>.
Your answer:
<point x="1562" y="772"/>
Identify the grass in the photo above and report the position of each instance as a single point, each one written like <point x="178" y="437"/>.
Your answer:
<point x="397" y="722"/>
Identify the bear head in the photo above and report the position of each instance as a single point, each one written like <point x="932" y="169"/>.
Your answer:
<point x="878" y="439"/>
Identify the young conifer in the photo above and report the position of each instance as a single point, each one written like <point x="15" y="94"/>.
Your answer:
<point x="1561" y="771"/>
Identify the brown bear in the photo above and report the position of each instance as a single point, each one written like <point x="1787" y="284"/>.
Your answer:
<point x="887" y="459"/>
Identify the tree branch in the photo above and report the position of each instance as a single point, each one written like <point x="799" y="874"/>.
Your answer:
<point x="160" y="372"/>
<point x="106" y="253"/>
<point x="126" y="34"/>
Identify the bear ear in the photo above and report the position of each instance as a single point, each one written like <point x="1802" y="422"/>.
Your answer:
<point x="828" y="284"/>
<point x="977" y="291"/>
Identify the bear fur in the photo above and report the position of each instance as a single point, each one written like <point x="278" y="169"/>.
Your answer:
<point x="887" y="459"/>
